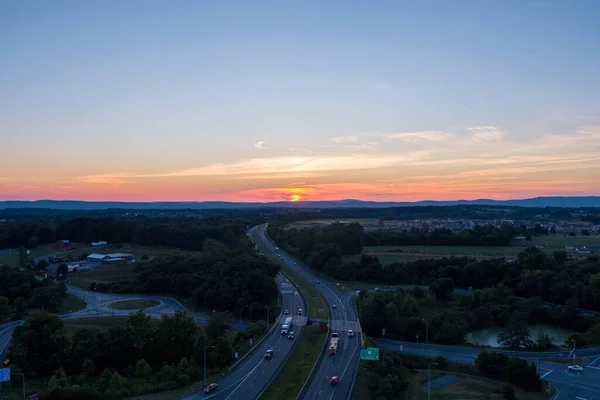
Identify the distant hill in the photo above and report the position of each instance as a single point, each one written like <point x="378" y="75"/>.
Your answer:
<point x="567" y="202"/>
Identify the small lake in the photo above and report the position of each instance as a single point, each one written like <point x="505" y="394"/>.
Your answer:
<point x="489" y="336"/>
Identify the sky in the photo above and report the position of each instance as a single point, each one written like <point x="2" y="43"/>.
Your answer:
<point x="145" y="100"/>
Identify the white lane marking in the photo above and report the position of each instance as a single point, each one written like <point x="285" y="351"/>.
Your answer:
<point x="243" y="380"/>
<point x="541" y="377"/>
<point x="593" y="362"/>
<point x="581" y="398"/>
<point x="320" y="391"/>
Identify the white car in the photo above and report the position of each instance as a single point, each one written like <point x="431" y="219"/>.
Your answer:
<point x="575" y="368"/>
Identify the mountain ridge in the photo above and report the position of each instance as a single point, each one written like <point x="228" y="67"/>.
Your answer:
<point x="548" y="201"/>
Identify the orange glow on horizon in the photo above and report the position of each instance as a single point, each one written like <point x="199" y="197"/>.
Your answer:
<point x="295" y="197"/>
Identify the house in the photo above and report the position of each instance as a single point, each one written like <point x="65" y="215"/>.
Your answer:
<point x="100" y="243"/>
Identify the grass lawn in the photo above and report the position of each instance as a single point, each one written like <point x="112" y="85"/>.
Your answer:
<point x="133" y="304"/>
<point x="294" y="373"/>
<point x="566" y="361"/>
<point x="100" y="323"/>
<point x="12" y="258"/>
<point x="104" y="273"/>
<point x="469" y="387"/>
<point x="71" y="304"/>
<point x="317" y="308"/>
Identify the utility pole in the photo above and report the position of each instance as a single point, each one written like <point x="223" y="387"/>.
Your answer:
<point x="429" y="380"/>
<point x="206" y="347"/>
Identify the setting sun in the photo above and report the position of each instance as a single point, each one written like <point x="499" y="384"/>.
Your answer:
<point x="295" y="197"/>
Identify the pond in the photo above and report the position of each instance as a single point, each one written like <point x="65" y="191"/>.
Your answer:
<point x="489" y="336"/>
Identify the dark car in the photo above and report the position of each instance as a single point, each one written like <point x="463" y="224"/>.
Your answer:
<point x="334" y="380"/>
<point x="286" y="312"/>
<point x="211" y="388"/>
<point x="269" y="353"/>
<point x="334" y="306"/>
<point x="291" y="335"/>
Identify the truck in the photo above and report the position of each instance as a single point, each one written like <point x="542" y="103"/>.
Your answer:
<point x="333" y="343"/>
<point x="285" y="328"/>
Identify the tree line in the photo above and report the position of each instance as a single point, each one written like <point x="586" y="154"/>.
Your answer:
<point x="478" y="236"/>
<point x="225" y="279"/>
<point x="420" y="315"/>
<point x="185" y="233"/>
<point x="143" y="356"/>
<point x="20" y="291"/>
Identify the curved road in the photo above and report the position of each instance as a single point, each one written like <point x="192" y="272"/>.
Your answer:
<point x="251" y="378"/>
<point x="345" y="363"/>
<point x="583" y="386"/>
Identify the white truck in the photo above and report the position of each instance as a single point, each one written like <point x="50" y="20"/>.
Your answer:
<point x="285" y="328"/>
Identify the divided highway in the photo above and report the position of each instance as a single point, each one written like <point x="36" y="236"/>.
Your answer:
<point x="251" y="377"/>
<point x="342" y="318"/>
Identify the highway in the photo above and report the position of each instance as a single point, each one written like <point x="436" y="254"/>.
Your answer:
<point x="251" y="378"/>
<point x="583" y="386"/>
<point x="345" y="363"/>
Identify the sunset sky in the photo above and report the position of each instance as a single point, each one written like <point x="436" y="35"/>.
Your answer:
<point x="299" y="100"/>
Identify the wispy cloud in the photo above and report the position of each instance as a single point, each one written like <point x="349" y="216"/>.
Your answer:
<point x="344" y="139"/>
<point x="413" y="137"/>
<point x="261" y="145"/>
<point x="299" y="150"/>
<point x="485" y="133"/>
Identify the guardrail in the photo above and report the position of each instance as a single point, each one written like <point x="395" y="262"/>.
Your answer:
<point x="270" y="381"/>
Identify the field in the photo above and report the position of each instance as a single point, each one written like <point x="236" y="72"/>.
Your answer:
<point x="468" y="387"/>
<point x="391" y="254"/>
<point x="103" y="273"/>
<point x="294" y="373"/>
<point x="71" y="304"/>
<point x="133" y="304"/>
<point x="71" y="325"/>
<point x="12" y="258"/>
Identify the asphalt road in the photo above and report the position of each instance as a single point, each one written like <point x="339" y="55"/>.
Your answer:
<point x="251" y="377"/>
<point x="582" y="386"/>
<point x="345" y="363"/>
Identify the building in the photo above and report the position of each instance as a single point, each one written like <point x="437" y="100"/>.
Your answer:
<point x="100" y="243"/>
<point x="109" y="258"/>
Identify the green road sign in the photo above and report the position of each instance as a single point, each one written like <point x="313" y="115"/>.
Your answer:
<point x="370" y="354"/>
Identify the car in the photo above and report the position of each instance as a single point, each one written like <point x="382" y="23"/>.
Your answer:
<point x="286" y="312"/>
<point x="575" y="368"/>
<point x="318" y="282"/>
<point x="334" y="306"/>
<point x="211" y="388"/>
<point x="294" y="263"/>
<point x="334" y="380"/>
<point x="350" y="333"/>
<point x="291" y="335"/>
<point x="300" y="311"/>
<point x="269" y="353"/>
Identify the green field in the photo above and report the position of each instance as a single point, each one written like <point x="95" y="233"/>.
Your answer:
<point x="468" y="387"/>
<point x="71" y="325"/>
<point x="133" y="304"/>
<point x="12" y="258"/>
<point x="104" y="273"/>
<point x="294" y="373"/>
<point x="391" y="254"/>
<point x="71" y="304"/>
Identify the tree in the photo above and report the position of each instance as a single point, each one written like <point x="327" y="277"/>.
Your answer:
<point x="585" y="232"/>
<point x="143" y="369"/>
<point x="492" y="364"/>
<point x="19" y="308"/>
<point x="508" y="391"/>
<point x="515" y="336"/>
<point x="32" y="243"/>
<point x="42" y="264"/>
<point x="62" y="270"/>
<point x="442" y="287"/>
<point x="4" y="309"/>
<point x="88" y="369"/>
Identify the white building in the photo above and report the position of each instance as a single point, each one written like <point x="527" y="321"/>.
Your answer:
<point x="100" y="243"/>
<point x="109" y="258"/>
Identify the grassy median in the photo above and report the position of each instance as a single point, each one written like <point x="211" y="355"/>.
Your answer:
<point x="294" y="373"/>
